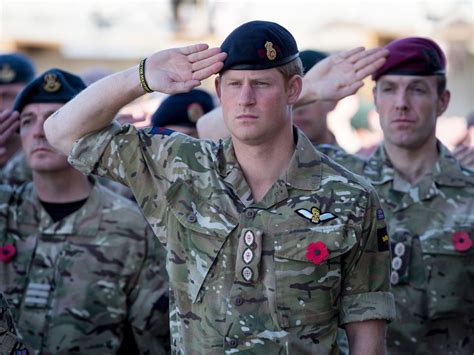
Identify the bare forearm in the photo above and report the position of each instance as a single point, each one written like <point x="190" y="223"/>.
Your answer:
<point x="366" y="338"/>
<point x="93" y="109"/>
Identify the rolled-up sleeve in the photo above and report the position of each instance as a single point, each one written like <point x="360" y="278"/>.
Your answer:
<point x="366" y="287"/>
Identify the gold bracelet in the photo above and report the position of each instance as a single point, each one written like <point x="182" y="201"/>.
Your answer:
<point x="141" y="71"/>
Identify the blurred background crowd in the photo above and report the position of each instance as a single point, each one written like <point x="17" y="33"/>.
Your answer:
<point x="96" y="38"/>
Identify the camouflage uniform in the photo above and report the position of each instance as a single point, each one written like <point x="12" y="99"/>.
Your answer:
<point x="16" y="171"/>
<point x="432" y="280"/>
<point x="9" y="342"/>
<point x="79" y="284"/>
<point x="239" y="271"/>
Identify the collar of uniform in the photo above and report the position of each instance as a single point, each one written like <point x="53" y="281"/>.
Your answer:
<point x="448" y="171"/>
<point x="379" y="168"/>
<point x="305" y="169"/>
<point x="86" y="219"/>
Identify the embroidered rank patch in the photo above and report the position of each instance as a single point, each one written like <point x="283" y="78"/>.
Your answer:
<point x="382" y="239"/>
<point x="380" y="214"/>
<point x="315" y="215"/>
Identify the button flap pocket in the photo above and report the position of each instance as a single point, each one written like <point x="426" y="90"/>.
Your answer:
<point x="454" y="241"/>
<point x="197" y="231"/>
<point x="337" y="239"/>
<point x="197" y="214"/>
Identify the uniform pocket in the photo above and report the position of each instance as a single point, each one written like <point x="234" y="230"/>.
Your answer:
<point x="307" y="283"/>
<point x="449" y="272"/>
<point x="197" y="230"/>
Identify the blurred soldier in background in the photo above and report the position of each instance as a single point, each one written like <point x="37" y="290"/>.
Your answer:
<point x="78" y="263"/>
<point x="16" y="70"/>
<point x="312" y="118"/>
<point x="180" y="112"/>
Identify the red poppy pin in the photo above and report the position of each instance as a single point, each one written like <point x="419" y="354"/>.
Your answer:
<point x="317" y="252"/>
<point x="462" y="241"/>
<point x="7" y="252"/>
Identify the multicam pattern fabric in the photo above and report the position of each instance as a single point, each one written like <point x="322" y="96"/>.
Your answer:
<point x="432" y="276"/>
<point x="239" y="274"/>
<point x="16" y="171"/>
<point x="10" y="343"/>
<point x="82" y="284"/>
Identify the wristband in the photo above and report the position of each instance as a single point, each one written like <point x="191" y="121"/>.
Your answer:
<point x="141" y="71"/>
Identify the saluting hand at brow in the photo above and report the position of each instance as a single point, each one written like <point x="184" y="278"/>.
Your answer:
<point x="179" y="70"/>
<point x="341" y="74"/>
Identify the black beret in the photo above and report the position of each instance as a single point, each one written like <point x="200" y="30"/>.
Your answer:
<point x="15" y="68"/>
<point x="413" y="56"/>
<point x="53" y="86"/>
<point x="310" y="58"/>
<point x="183" y="109"/>
<point x="258" y="45"/>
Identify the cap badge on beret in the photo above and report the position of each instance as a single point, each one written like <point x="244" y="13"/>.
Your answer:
<point x="51" y="83"/>
<point x="195" y="111"/>
<point x="7" y="74"/>
<point x="271" y="52"/>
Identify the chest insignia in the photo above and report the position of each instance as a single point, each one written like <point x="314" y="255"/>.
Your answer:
<point x="315" y="215"/>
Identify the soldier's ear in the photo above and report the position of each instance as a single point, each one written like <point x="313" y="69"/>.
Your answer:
<point x="294" y="87"/>
<point x="443" y="102"/>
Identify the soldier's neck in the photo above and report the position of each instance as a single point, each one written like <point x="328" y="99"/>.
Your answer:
<point x="61" y="187"/>
<point x="263" y="164"/>
<point x="413" y="164"/>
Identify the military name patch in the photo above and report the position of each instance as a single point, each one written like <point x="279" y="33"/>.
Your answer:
<point x="315" y="215"/>
<point x="382" y="239"/>
<point x="380" y="214"/>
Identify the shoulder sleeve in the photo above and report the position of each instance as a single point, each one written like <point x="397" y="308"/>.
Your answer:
<point x="146" y="160"/>
<point x="366" y="280"/>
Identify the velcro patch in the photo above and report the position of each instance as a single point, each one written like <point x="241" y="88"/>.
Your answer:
<point x="162" y="131"/>
<point x="382" y="239"/>
<point x="380" y="214"/>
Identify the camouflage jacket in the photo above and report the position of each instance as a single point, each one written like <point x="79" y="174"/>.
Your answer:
<point x="16" y="171"/>
<point x="431" y="226"/>
<point x="277" y="276"/>
<point x="90" y="283"/>
<point x="9" y="341"/>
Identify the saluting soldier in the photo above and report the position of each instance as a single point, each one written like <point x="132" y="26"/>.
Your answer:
<point x="270" y="245"/>
<point x="79" y="265"/>
<point x="16" y="70"/>
<point x="428" y="200"/>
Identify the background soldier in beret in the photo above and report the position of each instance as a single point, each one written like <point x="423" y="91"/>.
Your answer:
<point x="312" y="118"/>
<point x="271" y="246"/>
<point x="428" y="199"/>
<point x="180" y="112"/>
<point x="16" y="70"/>
<point x="78" y="263"/>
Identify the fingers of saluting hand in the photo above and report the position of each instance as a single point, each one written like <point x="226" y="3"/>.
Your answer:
<point x="350" y="89"/>
<point x="9" y="123"/>
<point x="369" y="62"/>
<point x="207" y="62"/>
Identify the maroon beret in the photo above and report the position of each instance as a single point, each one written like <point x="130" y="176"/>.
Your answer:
<point x="413" y="56"/>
